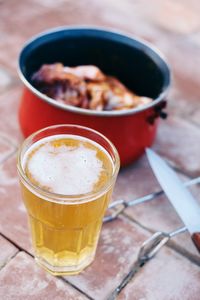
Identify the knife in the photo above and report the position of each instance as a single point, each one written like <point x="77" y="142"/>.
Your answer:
<point x="184" y="203"/>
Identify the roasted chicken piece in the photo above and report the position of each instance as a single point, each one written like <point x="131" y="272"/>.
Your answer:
<point x="85" y="87"/>
<point x="53" y="81"/>
<point x="86" y="72"/>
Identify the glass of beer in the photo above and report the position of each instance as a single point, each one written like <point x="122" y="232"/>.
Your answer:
<point x="67" y="174"/>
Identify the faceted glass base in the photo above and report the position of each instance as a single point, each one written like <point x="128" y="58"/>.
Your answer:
<point x="64" y="270"/>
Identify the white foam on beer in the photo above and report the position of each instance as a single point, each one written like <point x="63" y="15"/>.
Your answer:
<point x="65" y="169"/>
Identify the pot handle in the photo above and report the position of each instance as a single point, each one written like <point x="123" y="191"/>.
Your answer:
<point x="158" y="112"/>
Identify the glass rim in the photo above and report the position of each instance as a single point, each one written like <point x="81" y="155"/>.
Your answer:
<point x="61" y="198"/>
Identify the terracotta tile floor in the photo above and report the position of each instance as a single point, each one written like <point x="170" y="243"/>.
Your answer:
<point x="174" y="27"/>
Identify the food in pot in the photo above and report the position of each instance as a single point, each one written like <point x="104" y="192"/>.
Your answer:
<point x="86" y="87"/>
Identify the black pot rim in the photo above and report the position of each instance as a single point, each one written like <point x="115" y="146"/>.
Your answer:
<point x="146" y="46"/>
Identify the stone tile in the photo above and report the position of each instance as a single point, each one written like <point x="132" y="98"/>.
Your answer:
<point x="9" y="51"/>
<point x="183" y="98"/>
<point x="196" y="117"/>
<point x="185" y="50"/>
<point x="184" y="93"/>
<point x="157" y="215"/>
<point x="21" y="279"/>
<point x="9" y="126"/>
<point x="8" y="250"/>
<point x="177" y="17"/>
<point x="55" y="17"/>
<point x="16" y="30"/>
<point x="51" y="3"/>
<point x="135" y="23"/>
<point x="25" y="12"/>
<point x="167" y="276"/>
<point x="6" y="148"/>
<point x="13" y="221"/>
<point x="135" y="180"/>
<point x="195" y="38"/>
<point x="117" y="250"/>
<point x="35" y="12"/>
<point x="5" y="79"/>
<point x="178" y="141"/>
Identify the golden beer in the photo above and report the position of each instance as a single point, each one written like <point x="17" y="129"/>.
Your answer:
<point x="66" y="181"/>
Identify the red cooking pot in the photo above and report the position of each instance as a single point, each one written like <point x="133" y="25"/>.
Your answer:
<point x="135" y="63"/>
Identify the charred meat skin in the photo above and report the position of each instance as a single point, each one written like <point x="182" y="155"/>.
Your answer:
<point x="85" y="87"/>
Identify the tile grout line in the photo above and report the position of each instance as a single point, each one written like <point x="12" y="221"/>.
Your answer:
<point x="74" y="286"/>
<point x="8" y="140"/>
<point x="186" y="254"/>
<point x="28" y="253"/>
<point x="8" y="157"/>
<point x="57" y="277"/>
<point x="13" y="145"/>
<point x="15" y="244"/>
<point x="9" y="260"/>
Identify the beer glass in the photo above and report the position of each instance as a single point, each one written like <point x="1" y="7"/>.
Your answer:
<point x="65" y="228"/>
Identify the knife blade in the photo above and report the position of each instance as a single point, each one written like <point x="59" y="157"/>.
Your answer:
<point x="184" y="203"/>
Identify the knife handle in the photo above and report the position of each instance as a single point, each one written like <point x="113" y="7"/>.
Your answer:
<point x="196" y="240"/>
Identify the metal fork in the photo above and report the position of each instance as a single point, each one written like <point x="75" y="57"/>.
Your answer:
<point x="118" y="206"/>
<point x="152" y="245"/>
